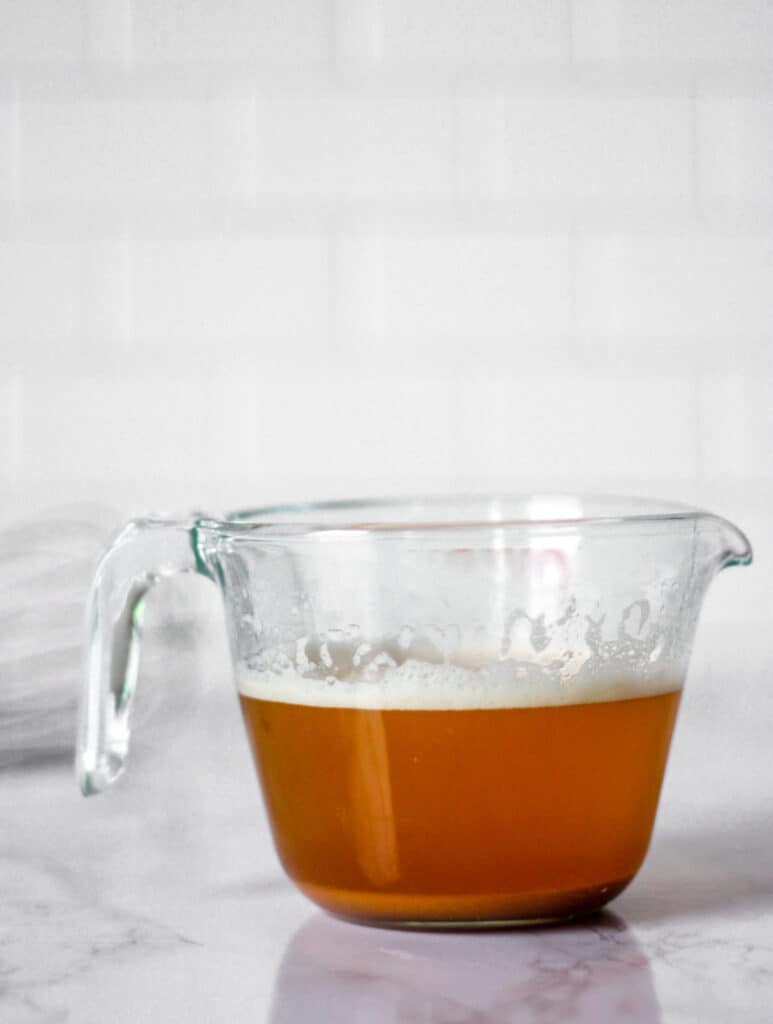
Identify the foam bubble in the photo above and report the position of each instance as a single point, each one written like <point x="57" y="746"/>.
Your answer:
<point x="423" y="685"/>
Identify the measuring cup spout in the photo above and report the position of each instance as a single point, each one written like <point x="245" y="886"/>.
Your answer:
<point x="728" y="545"/>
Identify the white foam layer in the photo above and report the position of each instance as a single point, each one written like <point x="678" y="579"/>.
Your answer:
<point x="424" y="686"/>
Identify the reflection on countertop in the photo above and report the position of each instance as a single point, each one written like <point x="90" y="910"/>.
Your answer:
<point x="591" y="972"/>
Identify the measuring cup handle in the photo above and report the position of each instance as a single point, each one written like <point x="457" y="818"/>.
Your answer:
<point x="145" y="551"/>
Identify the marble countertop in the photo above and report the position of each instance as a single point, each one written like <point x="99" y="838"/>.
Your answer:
<point x="163" y="901"/>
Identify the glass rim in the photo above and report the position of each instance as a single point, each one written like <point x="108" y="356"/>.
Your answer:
<point x="371" y="515"/>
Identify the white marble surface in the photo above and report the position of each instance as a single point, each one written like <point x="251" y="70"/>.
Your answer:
<point x="162" y="900"/>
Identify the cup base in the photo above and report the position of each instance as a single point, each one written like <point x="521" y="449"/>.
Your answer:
<point x="462" y="926"/>
<point x="455" y="912"/>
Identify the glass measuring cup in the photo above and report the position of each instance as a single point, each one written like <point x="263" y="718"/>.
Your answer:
<point x="460" y="709"/>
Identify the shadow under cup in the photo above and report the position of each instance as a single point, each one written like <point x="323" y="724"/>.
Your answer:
<point x="460" y="709"/>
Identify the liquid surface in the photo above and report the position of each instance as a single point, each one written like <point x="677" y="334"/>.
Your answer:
<point x="466" y="685"/>
<point x="394" y="814"/>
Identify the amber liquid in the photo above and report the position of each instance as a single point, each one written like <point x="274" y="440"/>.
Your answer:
<point x="462" y="816"/>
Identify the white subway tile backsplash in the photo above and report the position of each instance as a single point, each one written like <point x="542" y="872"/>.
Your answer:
<point x="382" y="245"/>
<point x="84" y="148"/>
<point x="108" y="31"/>
<point x="9" y="150"/>
<point x="355" y="146"/>
<point x="40" y="30"/>
<point x="707" y="286"/>
<point x="378" y="432"/>
<point x="232" y="143"/>
<point x="375" y="430"/>
<point x="650" y="355"/>
<point x="358" y="30"/>
<point x="233" y="30"/>
<point x="461" y="287"/>
<point x="108" y="308"/>
<point x="139" y="426"/>
<point x="40" y="297"/>
<point x="737" y="425"/>
<point x="486" y="152"/>
<point x="359" y="282"/>
<point x="532" y="430"/>
<point x="567" y="146"/>
<point x="243" y="295"/>
<point x="490" y="31"/>
<point x="596" y="29"/>
<point x="735" y="148"/>
<point x="667" y="31"/>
